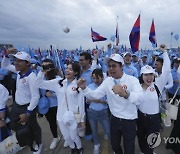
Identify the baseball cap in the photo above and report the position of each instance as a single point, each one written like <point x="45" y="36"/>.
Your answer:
<point x="43" y="105"/>
<point x="126" y="53"/>
<point x="144" y="55"/>
<point x="22" y="55"/>
<point x="69" y="120"/>
<point x="116" y="58"/>
<point x="147" y="69"/>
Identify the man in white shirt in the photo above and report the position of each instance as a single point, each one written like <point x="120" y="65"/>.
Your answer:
<point x="122" y="92"/>
<point x="27" y="94"/>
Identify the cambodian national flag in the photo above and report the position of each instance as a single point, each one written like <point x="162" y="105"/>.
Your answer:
<point x="96" y="37"/>
<point x="152" y="35"/>
<point x="134" y="36"/>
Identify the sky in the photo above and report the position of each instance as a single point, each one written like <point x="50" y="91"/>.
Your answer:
<point x="40" y="23"/>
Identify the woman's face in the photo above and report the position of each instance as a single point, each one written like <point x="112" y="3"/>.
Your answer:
<point x="69" y="72"/>
<point x="148" y="78"/>
<point x="97" y="79"/>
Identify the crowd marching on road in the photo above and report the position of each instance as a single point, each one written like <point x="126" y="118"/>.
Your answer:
<point x="127" y="93"/>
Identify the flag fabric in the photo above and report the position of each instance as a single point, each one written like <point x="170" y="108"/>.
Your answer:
<point x="117" y="35"/>
<point x="96" y="37"/>
<point x="152" y="35"/>
<point x="134" y="36"/>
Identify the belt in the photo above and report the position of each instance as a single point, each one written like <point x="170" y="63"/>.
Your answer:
<point x="22" y="105"/>
<point x="148" y="115"/>
<point x="121" y="119"/>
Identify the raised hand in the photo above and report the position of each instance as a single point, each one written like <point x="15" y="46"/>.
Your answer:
<point x="81" y="83"/>
<point x="11" y="51"/>
<point x="163" y="47"/>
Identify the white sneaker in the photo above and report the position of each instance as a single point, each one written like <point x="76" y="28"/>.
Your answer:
<point x="39" y="148"/>
<point x="96" y="149"/>
<point x="54" y="143"/>
<point x="65" y="145"/>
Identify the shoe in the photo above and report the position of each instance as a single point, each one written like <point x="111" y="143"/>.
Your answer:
<point x="54" y="143"/>
<point x="65" y="145"/>
<point x="105" y="137"/>
<point x="96" y="149"/>
<point x="73" y="151"/>
<point x="79" y="151"/>
<point x="167" y="121"/>
<point x="38" y="148"/>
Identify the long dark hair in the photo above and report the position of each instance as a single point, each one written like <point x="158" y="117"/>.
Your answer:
<point x="77" y="69"/>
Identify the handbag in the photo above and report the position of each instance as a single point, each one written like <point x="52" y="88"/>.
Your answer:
<point x="25" y="136"/>
<point x="173" y="108"/>
<point x="9" y="145"/>
<point x="77" y="115"/>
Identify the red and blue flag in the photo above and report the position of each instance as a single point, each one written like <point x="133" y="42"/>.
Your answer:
<point x="134" y="36"/>
<point x="152" y="35"/>
<point x="96" y="37"/>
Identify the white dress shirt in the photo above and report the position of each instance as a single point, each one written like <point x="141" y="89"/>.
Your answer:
<point x="26" y="90"/>
<point x="148" y="102"/>
<point x="3" y="97"/>
<point x="119" y="106"/>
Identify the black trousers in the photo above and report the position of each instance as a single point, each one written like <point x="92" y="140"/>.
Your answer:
<point x="146" y="125"/>
<point x="176" y="134"/>
<point x="88" y="127"/>
<point x="126" y="129"/>
<point x="16" y="110"/>
<point x="51" y="118"/>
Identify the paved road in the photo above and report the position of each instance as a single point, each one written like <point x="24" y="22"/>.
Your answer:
<point x="87" y="145"/>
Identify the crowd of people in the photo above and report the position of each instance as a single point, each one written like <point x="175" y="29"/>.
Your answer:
<point x="119" y="90"/>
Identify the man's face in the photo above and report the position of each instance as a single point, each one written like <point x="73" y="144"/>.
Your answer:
<point x="158" y="66"/>
<point x="21" y="65"/>
<point x="83" y="62"/>
<point x="115" y="69"/>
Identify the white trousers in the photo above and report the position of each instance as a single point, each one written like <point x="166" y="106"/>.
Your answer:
<point x="70" y="136"/>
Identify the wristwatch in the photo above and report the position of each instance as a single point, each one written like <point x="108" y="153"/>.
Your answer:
<point x="28" y="114"/>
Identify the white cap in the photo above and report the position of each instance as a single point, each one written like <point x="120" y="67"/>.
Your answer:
<point x="116" y="58"/>
<point x="147" y="69"/>
<point x="69" y="120"/>
<point x="22" y="55"/>
<point x="126" y="53"/>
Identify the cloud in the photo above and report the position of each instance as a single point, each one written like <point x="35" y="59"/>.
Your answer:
<point x="39" y="23"/>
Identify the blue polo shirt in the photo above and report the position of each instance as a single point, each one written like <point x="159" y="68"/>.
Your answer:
<point x="130" y="70"/>
<point x="97" y="106"/>
<point x="87" y="76"/>
<point x="3" y="72"/>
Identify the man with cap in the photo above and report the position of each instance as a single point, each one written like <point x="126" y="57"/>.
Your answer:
<point x="128" y="67"/>
<point x="122" y="91"/>
<point x="27" y="94"/>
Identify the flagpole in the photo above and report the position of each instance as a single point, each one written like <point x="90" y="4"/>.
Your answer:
<point x="171" y="40"/>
